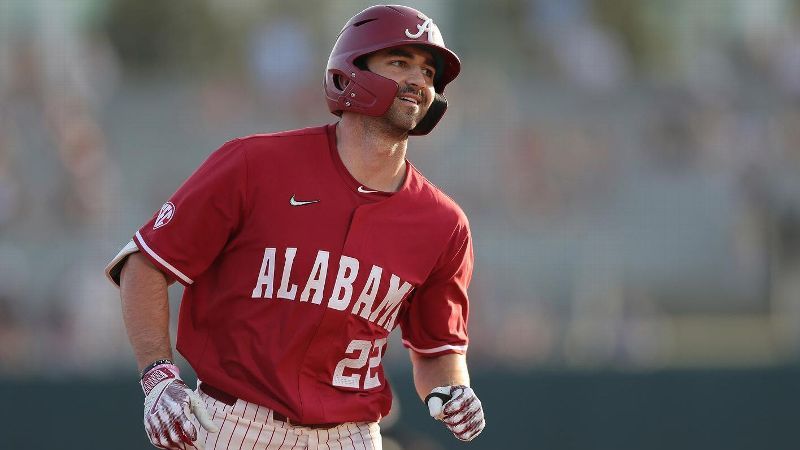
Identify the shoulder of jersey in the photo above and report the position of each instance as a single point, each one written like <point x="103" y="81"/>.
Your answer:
<point x="310" y="131"/>
<point x="278" y="138"/>
<point x="284" y="143"/>
<point x="433" y="194"/>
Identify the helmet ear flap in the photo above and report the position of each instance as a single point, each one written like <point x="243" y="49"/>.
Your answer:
<point x="340" y="82"/>
<point x="432" y="117"/>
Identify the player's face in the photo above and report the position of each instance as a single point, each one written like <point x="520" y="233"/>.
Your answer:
<point x="413" y="69"/>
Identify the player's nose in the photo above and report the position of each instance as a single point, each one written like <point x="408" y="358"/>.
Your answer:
<point x="416" y="78"/>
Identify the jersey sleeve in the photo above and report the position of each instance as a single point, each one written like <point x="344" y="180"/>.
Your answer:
<point x="435" y="319"/>
<point x="114" y="268"/>
<point x="185" y="236"/>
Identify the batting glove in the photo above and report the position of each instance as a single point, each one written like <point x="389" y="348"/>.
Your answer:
<point x="459" y="408"/>
<point x="168" y="404"/>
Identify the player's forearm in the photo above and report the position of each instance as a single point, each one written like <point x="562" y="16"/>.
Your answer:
<point x="444" y="370"/>
<point x="145" y="310"/>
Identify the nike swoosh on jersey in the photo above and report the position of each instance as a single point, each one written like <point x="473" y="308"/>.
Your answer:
<point x="365" y="191"/>
<point x="294" y="202"/>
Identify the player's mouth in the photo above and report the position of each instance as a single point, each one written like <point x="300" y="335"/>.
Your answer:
<point x="410" y="98"/>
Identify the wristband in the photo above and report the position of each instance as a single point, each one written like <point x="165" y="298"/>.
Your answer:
<point x="155" y="363"/>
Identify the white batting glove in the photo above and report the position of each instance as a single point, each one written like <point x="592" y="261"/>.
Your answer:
<point x="168" y="403"/>
<point x="458" y="408"/>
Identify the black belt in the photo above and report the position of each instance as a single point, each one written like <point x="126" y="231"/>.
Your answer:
<point x="228" y="399"/>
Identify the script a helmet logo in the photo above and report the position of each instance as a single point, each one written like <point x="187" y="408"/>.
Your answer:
<point x="427" y="25"/>
<point x="164" y="215"/>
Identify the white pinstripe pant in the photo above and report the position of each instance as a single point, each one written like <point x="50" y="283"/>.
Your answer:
<point x="247" y="426"/>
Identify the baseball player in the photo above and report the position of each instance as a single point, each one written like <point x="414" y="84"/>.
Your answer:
<point x="299" y="252"/>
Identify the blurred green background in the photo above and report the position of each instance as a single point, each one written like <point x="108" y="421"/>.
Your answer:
<point x="631" y="170"/>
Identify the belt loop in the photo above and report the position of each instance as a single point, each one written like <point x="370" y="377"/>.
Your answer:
<point x="273" y="421"/>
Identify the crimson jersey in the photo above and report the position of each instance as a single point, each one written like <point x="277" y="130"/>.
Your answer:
<point x="295" y="274"/>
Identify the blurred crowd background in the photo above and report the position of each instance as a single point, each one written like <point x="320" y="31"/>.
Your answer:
<point x="631" y="168"/>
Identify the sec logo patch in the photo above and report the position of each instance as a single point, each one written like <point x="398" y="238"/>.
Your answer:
<point x="164" y="215"/>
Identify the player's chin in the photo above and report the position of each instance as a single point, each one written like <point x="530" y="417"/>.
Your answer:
<point x="402" y="124"/>
<point x="407" y="118"/>
<point x="415" y="111"/>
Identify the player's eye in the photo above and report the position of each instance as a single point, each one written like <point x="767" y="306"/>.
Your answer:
<point x="428" y="72"/>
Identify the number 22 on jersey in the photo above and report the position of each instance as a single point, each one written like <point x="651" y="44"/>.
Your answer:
<point x="363" y="351"/>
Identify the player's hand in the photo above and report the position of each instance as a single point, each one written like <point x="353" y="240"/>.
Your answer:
<point x="168" y="404"/>
<point x="459" y="408"/>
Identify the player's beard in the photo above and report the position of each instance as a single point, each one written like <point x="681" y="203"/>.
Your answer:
<point x="402" y="116"/>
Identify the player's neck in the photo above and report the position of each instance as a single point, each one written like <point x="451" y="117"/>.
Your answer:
<point x="373" y="156"/>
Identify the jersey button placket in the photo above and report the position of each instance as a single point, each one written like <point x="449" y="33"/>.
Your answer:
<point x="356" y="231"/>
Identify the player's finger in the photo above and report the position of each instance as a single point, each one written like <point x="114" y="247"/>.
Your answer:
<point x="170" y="430"/>
<point x="469" y="434"/>
<point x="435" y="406"/>
<point x="156" y="441"/>
<point x="195" y="446"/>
<point x="436" y="401"/>
<point x="467" y="412"/>
<point x="472" y="425"/>
<point x="167" y="428"/>
<point x="152" y="428"/>
<point x="161" y="440"/>
<point x="166" y="436"/>
<point x="472" y="432"/>
<point x="467" y="421"/>
<point x="452" y="408"/>
<point x="186" y="431"/>
<point x="187" y="428"/>
<point x="188" y="442"/>
<point x="198" y="408"/>
<point x="462" y="395"/>
<point x="177" y="439"/>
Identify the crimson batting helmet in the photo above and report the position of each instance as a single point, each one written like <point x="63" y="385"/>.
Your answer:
<point x="377" y="28"/>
